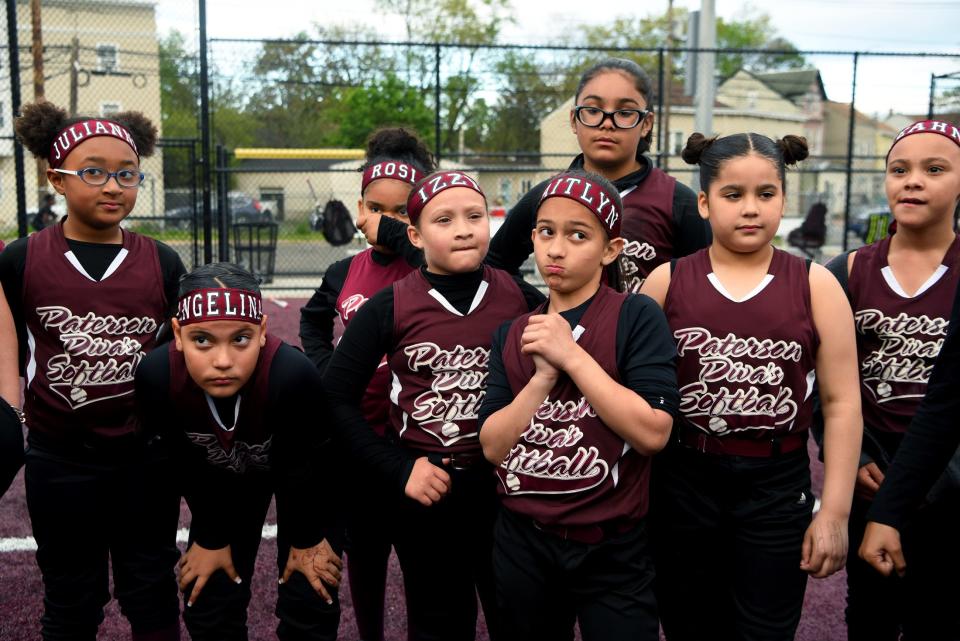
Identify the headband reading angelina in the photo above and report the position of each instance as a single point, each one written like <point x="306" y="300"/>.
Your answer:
<point x="204" y="305"/>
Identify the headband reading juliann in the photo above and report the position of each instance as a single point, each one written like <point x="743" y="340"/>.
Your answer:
<point x="68" y="139"/>
<point x="204" y="305"/>
<point x="602" y="201"/>
<point x="433" y="185"/>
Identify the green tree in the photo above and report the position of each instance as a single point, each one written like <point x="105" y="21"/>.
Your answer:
<point x="525" y="96"/>
<point x="389" y="102"/>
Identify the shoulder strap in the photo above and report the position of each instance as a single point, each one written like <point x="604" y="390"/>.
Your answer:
<point x="838" y="267"/>
<point x="673" y="265"/>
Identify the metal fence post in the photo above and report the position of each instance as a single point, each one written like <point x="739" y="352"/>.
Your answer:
<point x="850" y="133"/>
<point x="223" y="205"/>
<point x="660" y="114"/>
<point x="933" y="91"/>
<point x="19" y="169"/>
<point x="436" y="95"/>
<point x="205" y="137"/>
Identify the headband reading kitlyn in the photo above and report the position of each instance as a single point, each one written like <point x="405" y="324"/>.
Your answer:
<point x="203" y="305"/>
<point x="592" y="195"/>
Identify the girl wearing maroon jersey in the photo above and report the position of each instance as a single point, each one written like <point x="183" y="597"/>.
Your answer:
<point x="396" y="160"/>
<point x="901" y="289"/>
<point x="434" y="325"/>
<point x="88" y="299"/>
<point x="612" y="119"/>
<point x="231" y="401"/>
<point x="581" y="392"/>
<point x="754" y="327"/>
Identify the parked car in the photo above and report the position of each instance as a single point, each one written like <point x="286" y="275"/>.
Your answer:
<point x="860" y="220"/>
<point x="241" y="208"/>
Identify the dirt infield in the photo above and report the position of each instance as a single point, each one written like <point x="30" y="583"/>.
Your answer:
<point x="21" y="590"/>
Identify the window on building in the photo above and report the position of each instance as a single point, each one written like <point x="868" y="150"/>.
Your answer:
<point x="109" y="109"/>
<point x="678" y="143"/>
<point x="752" y="99"/>
<point x="107" y="57"/>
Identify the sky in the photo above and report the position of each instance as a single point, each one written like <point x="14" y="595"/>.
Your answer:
<point x="884" y="83"/>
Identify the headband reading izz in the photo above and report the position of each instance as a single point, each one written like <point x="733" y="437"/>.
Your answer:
<point x="204" y="305"/>
<point x="433" y="185"/>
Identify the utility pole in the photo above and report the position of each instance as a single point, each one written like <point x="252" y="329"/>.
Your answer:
<point x="74" y="72"/>
<point x="38" y="89"/>
<point x="706" y="62"/>
<point x="664" y="144"/>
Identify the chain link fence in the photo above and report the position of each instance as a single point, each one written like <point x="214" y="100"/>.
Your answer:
<point x="289" y="118"/>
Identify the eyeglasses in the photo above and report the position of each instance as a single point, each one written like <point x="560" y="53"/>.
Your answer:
<point x="98" y="177"/>
<point x="621" y="118"/>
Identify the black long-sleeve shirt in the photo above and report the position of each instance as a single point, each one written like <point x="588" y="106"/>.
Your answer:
<point x="646" y="357"/>
<point x="302" y="458"/>
<point x="95" y="259"/>
<point x="931" y="440"/>
<point x="367" y="339"/>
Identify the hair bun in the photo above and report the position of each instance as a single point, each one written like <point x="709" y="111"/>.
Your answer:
<point x="38" y="125"/>
<point x="794" y="149"/>
<point x="697" y="145"/>
<point x="142" y="129"/>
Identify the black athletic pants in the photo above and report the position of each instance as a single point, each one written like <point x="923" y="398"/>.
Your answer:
<point x="925" y="603"/>
<point x="220" y="612"/>
<point x="369" y="541"/>
<point x="445" y="554"/>
<point x="546" y="584"/>
<point x="88" y="505"/>
<point x="728" y="532"/>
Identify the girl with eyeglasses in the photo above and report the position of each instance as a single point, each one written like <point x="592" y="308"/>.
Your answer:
<point x="612" y="119"/>
<point x="88" y="300"/>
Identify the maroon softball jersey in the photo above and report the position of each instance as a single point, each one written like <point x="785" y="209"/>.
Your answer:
<point x="569" y="469"/>
<point x="365" y="277"/>
<point x="86" y="337"/>
<point x="648" y="227"/>
<point x="745" y="368"/>
<point x="245" y="443"/>
<point x="439" y="362"/>
<point x="898" y="336"/>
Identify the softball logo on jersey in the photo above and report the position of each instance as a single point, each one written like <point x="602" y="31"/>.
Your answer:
<point x="433" y="185"/>
<point x="350" y="305"/>
<point x="550" y="457"/>
<point x="634" y="252"/>
<point x="738" y="377"/>
<point x="900" y="365"/>
<point x="100" y="354"/>
<point x="602" y="203"/>
<point x="389" y="169"/>
<point x="457" y="388"/>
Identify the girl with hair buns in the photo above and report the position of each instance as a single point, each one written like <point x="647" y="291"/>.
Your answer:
<point x="88" y="299"/>
<point x="396" y="159"/>
<point x="613" y="121"/>
<point x="233" y="402"/>
<point x="754" y="328"/>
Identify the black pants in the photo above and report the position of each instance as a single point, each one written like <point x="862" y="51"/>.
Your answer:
<point x="89" y="506"/>
<point x="546" y="584"/>
<point x="445" y="554"/>
<point x="220" y="612"/>
<point x="728" y="533"/>
<point x="925" y="604"/>
<point x="369" y="541"/>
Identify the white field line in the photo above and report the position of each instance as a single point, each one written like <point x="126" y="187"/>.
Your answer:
<point x="28" y="544"/>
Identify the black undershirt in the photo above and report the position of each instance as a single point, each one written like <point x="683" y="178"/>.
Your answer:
<point x="367" y="339"/>
<point x="303" y="459"/>
<point x="512" y="245"/>
<point x="95" y="259"/>
<point x="646" y="357"/>
<point x="930" y="441"/>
